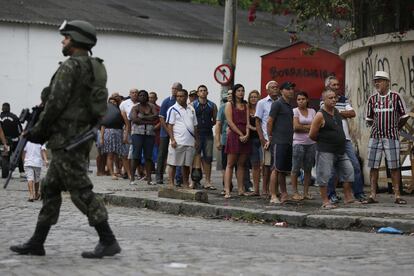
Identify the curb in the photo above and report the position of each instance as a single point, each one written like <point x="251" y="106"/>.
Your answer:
<point x="293" y="219"/>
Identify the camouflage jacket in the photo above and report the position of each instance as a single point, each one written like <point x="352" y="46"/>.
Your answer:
<point x="66" y="113"/>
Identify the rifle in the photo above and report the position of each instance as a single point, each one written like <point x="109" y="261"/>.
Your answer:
<point x="82" y="138"/>
<point x="31" y="118"/>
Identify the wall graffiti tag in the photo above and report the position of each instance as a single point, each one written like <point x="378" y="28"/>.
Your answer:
<point x="374" y="62"/>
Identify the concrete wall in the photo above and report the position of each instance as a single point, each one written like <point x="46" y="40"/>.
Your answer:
<point x="393" y="53"/>
<point x="29" y="55"/>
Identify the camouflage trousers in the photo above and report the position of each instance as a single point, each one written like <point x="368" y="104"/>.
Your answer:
<point x="68" y="172"/>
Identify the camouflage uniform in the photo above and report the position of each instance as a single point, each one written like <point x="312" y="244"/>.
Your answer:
<point x="65" y="116"/>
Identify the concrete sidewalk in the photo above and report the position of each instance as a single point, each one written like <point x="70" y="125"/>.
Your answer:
<point x="254" y="209"/>
<point x="367" y="217"/>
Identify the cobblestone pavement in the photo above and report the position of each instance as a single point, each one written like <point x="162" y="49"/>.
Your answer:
<point x="160" y="244"/>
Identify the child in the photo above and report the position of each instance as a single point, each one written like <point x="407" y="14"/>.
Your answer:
<point x="33" y="155"/>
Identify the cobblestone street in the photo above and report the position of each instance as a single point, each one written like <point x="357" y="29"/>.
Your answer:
<point x="157" y="244"/>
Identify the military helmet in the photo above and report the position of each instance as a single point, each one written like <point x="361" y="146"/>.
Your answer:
<point x="79" y="31"/>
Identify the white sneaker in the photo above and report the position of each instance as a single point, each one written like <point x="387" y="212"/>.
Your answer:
<point x="133" y="183"/>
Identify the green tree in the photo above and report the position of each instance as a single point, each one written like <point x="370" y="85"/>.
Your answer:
<point x="346" y="19"/>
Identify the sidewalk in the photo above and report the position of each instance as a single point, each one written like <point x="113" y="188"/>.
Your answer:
<point x="304" y="214"/>
<point x="255" y="209"/>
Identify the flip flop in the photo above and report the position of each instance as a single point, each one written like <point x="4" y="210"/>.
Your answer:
<point x="328" y="206"/>
<point x="352" y="201"/>
<point x="227" y="196"/>
<point x="246" y="194"/>
<point x="308" y="197"/>
<point x="371" y="201"/>
<point x="210" y="188"/>
<point x="400" y="201"/>
<point x="275" y="201"/>
<point x="297" y="197"/>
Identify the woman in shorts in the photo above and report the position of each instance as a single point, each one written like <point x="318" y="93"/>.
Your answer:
<point x="303" y="156"/>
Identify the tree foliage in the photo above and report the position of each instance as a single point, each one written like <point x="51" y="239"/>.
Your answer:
<point x="346" y="19"/>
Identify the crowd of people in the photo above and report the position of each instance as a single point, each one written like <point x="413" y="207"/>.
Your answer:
<point x="260" y="139"/>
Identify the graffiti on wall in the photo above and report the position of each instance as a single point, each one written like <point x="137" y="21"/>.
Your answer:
<point x="373" y="63"/>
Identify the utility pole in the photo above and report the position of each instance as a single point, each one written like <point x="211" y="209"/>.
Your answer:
<point x="230" y="41"/>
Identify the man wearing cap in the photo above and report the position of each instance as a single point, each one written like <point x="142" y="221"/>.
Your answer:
<point x="280" y="133"/>
<point x="387" y="114"/>
<point x="262" y="114"/>
<point x="66" y="115"/>
<point x="192" y="96"/>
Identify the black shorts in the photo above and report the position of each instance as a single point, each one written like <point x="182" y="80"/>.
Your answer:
<point x="282" y="157"/>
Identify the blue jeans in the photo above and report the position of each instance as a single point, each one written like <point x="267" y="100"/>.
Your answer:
<point x="358" y="184"/>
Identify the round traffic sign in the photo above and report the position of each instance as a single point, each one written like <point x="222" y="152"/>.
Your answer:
<point x="223" y="74"/>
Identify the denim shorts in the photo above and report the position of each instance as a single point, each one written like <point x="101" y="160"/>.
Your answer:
<point x="326" y="162"/>
<point x="257" y="153"/>
<point x="142" y="143"/>
<point x="303" y="157"/>
<point x="206" y="148"/>
<point x="390" y="147"/>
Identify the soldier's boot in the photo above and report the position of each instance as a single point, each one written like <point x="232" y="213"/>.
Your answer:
<point x="196" y="176"/>
<point x="107" y="246"/>
<point x="34" y="246"/>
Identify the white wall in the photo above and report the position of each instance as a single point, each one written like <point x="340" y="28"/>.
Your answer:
<point x="29" y="55"/>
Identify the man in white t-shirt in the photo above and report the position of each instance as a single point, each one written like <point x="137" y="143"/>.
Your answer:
<point x="126" y="107"/>
<point x="262" y="116"/>
<point x="182" y="130"/>
<point x="34" y="155"/>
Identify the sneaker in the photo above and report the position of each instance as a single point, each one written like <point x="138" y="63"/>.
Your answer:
<point x="133" y="183"/>
<point x="361" y="197"/>
<point x="334" y="199"/>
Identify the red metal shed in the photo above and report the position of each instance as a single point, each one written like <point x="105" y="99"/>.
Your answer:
<point x="307" y="71"/>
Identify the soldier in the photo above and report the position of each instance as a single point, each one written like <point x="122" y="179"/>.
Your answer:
<point x="72" y="105"/>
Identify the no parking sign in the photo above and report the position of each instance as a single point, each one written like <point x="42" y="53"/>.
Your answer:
<point x="223" y="74"/>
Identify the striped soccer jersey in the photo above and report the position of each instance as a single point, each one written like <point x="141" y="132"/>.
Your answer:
<point x="385" y="112"/>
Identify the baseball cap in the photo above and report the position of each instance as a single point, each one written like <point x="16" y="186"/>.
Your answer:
<point x="287" y="85"/>
<point x="192" y="92"/>
<point x="381" y="75"/>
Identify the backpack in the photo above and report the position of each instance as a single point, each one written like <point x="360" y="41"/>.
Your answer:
<point x="98" y="95"/>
